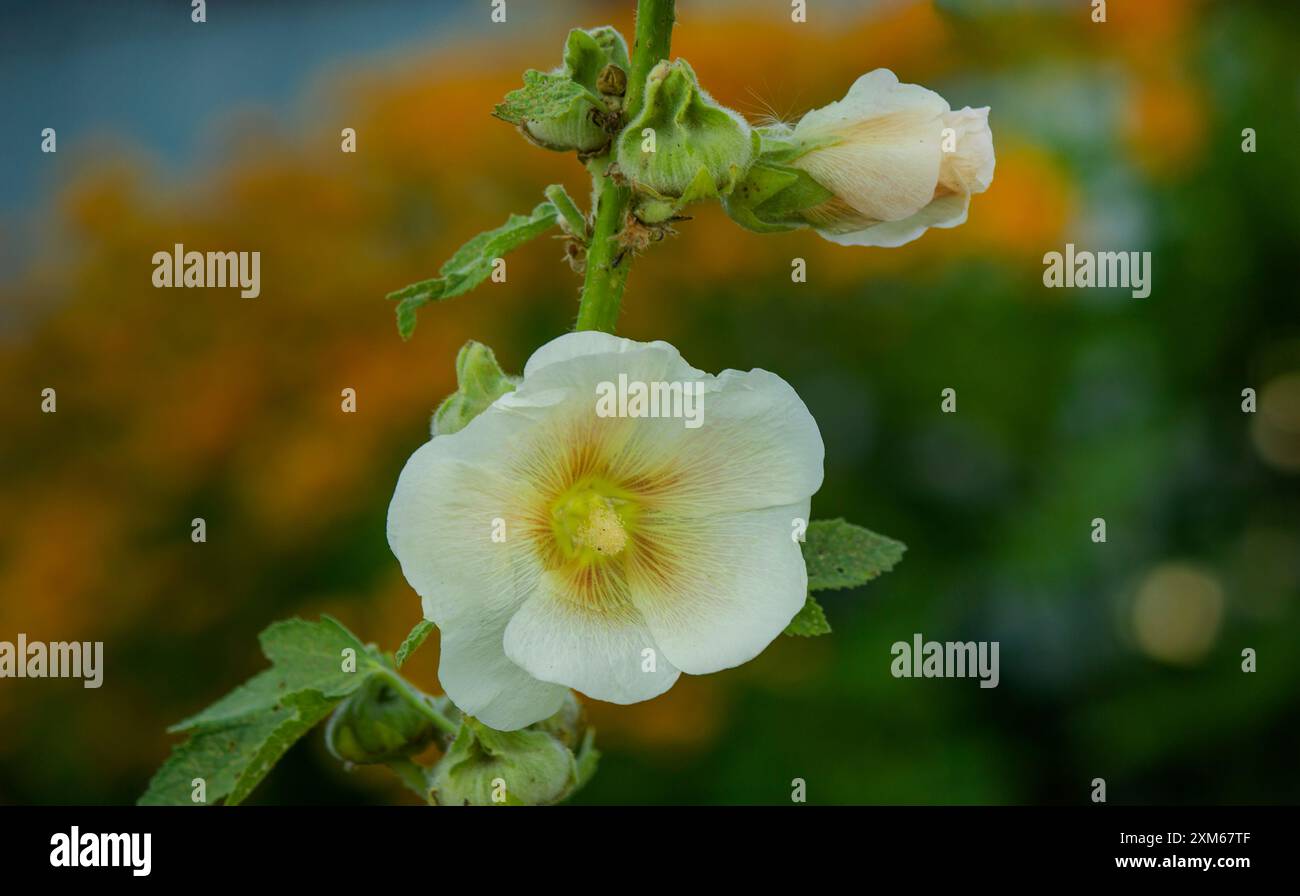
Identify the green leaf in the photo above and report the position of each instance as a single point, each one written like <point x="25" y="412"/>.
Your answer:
<point x="305" y="656"/>
<point x="231" y="760"/>
<point x="308" y="709"/>
<point x="471" y="264"/>
<point x="544" y="95"/>
<point x="236" y="741"/>
<point x="842" y="555"/>
<point x="413" y="641"/>
<point x="810" y="621"/>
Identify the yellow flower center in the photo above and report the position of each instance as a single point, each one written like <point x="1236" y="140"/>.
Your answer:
<point x="592" y="520"/>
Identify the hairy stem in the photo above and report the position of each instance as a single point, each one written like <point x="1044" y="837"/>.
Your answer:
<point x="572" y="218"/>
<point x="654" y="38"/>
<point x="420" y="701"/>
<point x="607" y="263"/>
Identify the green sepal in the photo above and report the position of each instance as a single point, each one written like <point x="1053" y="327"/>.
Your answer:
<point x="381" y="722"/>
<point x="780" y="146"/>
<point x="587" y="52"/>
<point x="771" y="196"/>
<point x="587" y="759"/>
<point x="564" y="110"/>
<point x="774" y="192"/>
<point x="544" y="96"/>
<point x="480" y="380"/>
<point x="700" y="151"/>
<point x="486" y="767"/>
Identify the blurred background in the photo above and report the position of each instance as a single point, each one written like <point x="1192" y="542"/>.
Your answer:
<point x="1119" y="660"/>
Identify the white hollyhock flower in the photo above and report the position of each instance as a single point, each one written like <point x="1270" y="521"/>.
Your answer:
<point x="886" y="159"/>
<point x="635" y="548"/>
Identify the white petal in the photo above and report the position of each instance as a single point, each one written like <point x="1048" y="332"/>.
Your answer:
<point x="593" y="342"/>
<point x="946" y="211"/>
<point x="440" y="525"/>
<point x="886" y="163"/>
<point x="969" y="168"/>
<point x="600" y="652"/>
<point x="757" y="446"/>
<point x="736" y="583"/>
<point x="877" y="93"/>
<point x="480" y="679"/>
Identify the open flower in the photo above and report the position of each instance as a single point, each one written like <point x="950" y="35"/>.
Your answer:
<point x="556" y="547"/>
<point x="897" y="160"/>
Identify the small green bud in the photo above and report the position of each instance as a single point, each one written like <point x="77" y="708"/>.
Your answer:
<point x="486" y="767"/>
<point x="773" y="192"/>
<point x="481" y="382"/>
<point x="544" y="763"/>
<point x="379" y="723"/>
<point x="682" y="146"/>
<point x="588" y="53"/>
<point x="567" y="109"/>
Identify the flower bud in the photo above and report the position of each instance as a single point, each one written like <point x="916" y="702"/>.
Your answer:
<point x="379" y="723"/>
<point x="891" y="160"/>
<point x="682" y="146"/>
<point x="585" y="119"/>
<point x="486" y="767"/>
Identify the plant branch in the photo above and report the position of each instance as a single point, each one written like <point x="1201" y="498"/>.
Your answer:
<point x="654" y="37"/>
<point x="420" y="701"/>
<point x="574" y="221"/>
<point x="607" y="262"/>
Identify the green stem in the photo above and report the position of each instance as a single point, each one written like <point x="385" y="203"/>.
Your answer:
<point x="602" y="289"/>
<point x="421" y="701"/>
<point x="607" y="262"/>
<point x="572" y="218"/>
<point x="654" y="38"/>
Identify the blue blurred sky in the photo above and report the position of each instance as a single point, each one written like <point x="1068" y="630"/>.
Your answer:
<point x="141" y="70"/>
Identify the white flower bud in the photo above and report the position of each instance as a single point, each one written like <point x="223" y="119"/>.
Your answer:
<point x="897" y="159"/>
